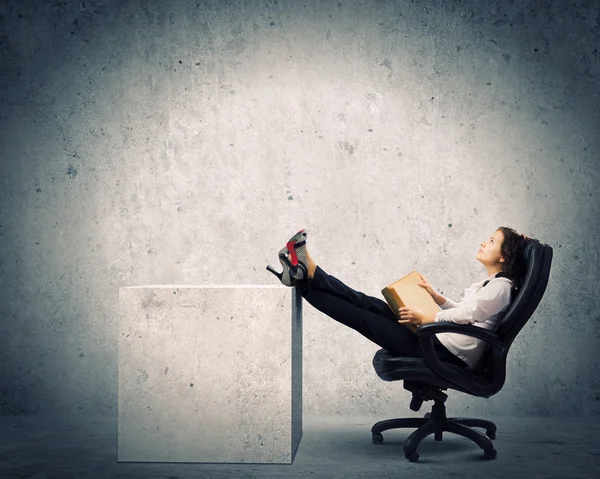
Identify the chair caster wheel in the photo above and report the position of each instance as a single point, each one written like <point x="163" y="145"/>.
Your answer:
<point x="491" y="434"/>
<point x="412" y="457"/>
<point x="490" y="454"/>
<point x="377" y="438"/>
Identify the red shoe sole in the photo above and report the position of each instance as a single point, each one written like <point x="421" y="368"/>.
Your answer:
<point x="293" y="255"/>
<point x="292" y="250"/>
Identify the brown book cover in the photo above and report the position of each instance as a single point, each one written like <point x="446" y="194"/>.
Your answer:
<point x="406" y="292"/>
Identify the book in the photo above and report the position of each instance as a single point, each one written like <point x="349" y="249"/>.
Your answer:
<point x="406" y="292"/>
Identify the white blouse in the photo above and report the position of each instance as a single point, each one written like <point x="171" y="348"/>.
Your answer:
<point x="481" y="307"/>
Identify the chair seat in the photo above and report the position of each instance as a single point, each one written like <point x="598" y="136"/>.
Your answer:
<point x="393" y="368"/>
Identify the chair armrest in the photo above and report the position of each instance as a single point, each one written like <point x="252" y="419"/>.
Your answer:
<point x="486" y="335"/>
<point x="425" y="334"/>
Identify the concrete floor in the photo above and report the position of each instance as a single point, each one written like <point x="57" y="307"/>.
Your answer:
<point x="73" y="447"/>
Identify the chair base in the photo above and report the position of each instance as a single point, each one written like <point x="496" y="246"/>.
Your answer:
<point x="435" y="423"/>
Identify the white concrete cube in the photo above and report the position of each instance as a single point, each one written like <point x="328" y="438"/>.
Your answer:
<point x="209" y="373"/>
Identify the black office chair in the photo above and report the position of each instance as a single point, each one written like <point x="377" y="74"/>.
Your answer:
<point x="426" y="378"/>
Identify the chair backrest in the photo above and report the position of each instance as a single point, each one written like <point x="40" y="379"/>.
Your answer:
<point x="537" y="258"/>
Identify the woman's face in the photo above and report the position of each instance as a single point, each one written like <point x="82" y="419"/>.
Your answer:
<point x="489" y="253"/>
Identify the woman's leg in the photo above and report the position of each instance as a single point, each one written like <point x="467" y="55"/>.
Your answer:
<point x="329" y="283"/>
<point x="370" y="316"/>
<point x="384" y="331"/>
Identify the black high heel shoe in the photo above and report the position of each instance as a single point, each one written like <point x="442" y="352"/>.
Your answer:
<point x="290" y="273"/>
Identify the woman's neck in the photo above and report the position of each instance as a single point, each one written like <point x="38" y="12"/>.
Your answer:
<point x="493" y="271"/>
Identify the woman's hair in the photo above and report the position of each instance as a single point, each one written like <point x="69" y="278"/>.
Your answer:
<point x="512" y="249"/>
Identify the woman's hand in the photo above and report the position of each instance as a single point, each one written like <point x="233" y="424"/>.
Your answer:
<point x="425" y="284"/>
<point x="415" y="316"/>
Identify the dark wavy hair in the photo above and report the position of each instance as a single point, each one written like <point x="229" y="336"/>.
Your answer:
<point x="512" y="249"/>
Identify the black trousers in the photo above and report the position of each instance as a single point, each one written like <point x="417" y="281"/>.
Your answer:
<point x="372" y="317"/>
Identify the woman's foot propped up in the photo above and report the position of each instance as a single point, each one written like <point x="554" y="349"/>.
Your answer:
<point x="310" y="263"/>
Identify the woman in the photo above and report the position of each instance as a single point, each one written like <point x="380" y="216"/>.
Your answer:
<point x="482" y="305"/>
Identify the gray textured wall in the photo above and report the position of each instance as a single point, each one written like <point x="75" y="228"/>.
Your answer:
<point x="184" y="142"/>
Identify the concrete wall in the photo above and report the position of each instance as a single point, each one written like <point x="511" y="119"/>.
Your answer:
<point x="184" y="142"/>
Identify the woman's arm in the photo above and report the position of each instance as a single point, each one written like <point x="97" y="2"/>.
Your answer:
<point x="444" y="303"/>
<point x="480" y="306"/>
